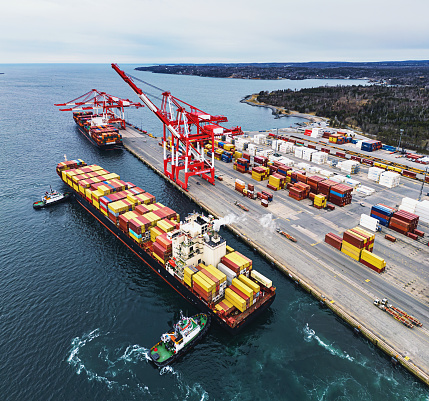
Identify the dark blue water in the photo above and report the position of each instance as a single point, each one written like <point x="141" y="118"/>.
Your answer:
<point x="78" y="312"/>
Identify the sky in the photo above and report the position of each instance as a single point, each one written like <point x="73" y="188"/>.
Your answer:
<point x="190" y="31"/>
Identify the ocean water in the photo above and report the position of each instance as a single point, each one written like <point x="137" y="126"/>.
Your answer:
<point x="79" y="312"/>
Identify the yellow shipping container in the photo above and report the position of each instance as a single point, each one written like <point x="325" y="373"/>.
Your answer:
<point x="133" y="199"/>
<point x="103" y="211"/>
<point x="243" y="288"/>
<point x="364" y="232"/>
<point x="154" y="232"/>
<point x="251" y="284"/>
<point x="235" y="299"/>
<point x="97" y="194"/>
<point x="229" y="249"/>
<point x="117" y="206"/>
<point x="139" y="240"/>
<point x="95" y="167"/>
<point x="217" y="273"/>
<point x="351" y="254"/>
<point x="188" y="271"/>
<point x="375" y="260"/>
<point x="274" y="181"/>
<point x="88" y="193"/>
<point x="238" y="259"/>
<point x="152" y="217"/>
<point x="144" y="198"/>
<point x="167" y="226"/>
<point x="204" y="282"/>
<point x="351" y="248"/>
<point x="227" y="303"/>
<point x="96" y="203"/>
<point x="111" y="176"/>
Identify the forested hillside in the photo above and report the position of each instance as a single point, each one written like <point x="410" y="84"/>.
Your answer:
<point x="378" y="110"/>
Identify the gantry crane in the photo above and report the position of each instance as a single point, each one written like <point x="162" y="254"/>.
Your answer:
<point x="186" y="130"/>
<point x="112" y="107"/>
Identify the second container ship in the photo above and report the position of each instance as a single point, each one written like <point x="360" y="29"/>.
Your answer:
<point x="189" y="255"/>
<point x="96" y="130"/>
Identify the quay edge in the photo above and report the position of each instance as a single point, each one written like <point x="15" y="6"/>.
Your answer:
<point x="308" y="287"/>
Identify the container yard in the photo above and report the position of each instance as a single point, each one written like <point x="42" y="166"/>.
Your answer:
<point x="345" y="284"/>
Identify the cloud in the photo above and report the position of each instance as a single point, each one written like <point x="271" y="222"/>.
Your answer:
<point x="144" y="31"/>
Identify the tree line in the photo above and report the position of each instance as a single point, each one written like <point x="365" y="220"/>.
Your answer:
<point x="378" y="110"/>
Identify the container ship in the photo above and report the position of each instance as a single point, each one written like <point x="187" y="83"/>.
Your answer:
<point x="97" y="131"/>
<point x="189" y="255"/>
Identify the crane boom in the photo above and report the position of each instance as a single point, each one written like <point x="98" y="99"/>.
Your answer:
<point x="187" y="149"/>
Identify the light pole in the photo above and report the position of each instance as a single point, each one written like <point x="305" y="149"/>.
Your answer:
<point x="423" y="183"/>
<point x="400" y="137"/>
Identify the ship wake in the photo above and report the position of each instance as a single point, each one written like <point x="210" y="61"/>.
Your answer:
<point x="126" y="368"/>
<point x="310" y="335"/>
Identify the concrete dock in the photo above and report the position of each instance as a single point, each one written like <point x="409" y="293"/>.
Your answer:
<point x="345" y="286"/>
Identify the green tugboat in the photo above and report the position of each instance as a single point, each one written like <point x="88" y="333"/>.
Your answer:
<point x="51" y="197"/>
<point x="186" y="333"/>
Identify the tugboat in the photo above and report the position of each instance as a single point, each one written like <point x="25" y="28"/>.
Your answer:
<point x="51" y="197"/>
<point x="187" y="332"/>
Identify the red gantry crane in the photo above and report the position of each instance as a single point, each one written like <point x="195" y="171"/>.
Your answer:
<point x="187" y="130"/>
<point x="112" y="107"/>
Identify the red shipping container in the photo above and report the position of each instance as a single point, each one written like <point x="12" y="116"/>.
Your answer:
<point x="241" y="294"/>
<point x="353" y="240"/>
<point x="390" y="238"/>
<point x="139" y="224"/>
<point x="412" y="236"/>
<point x="333" y="240"/>
<point x="301" y="177"/>
<point x="212" y="278"/>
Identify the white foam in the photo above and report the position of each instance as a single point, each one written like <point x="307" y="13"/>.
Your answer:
<point x="311" y="334"/>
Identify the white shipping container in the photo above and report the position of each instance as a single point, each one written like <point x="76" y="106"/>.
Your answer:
<point x="369" y="222"/>
<point x="303" y="166"/>
<point x="352" y="183"/>
<point x="389" y="179"/>
<point x="319" y="157"/>
<point x="409" y="204"/>
<point x="326" y="173"/>
<point x="338" y="178"/>
<point x="365" y="191"/>
<point x="422" y="210"/>
<point x="275" y="144"/>
<point x="261" y="278"/>
<point x="298" y="152"/>
<point x="374" y="173"/>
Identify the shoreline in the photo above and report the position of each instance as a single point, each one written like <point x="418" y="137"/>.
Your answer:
<point x="281" y="112"/>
